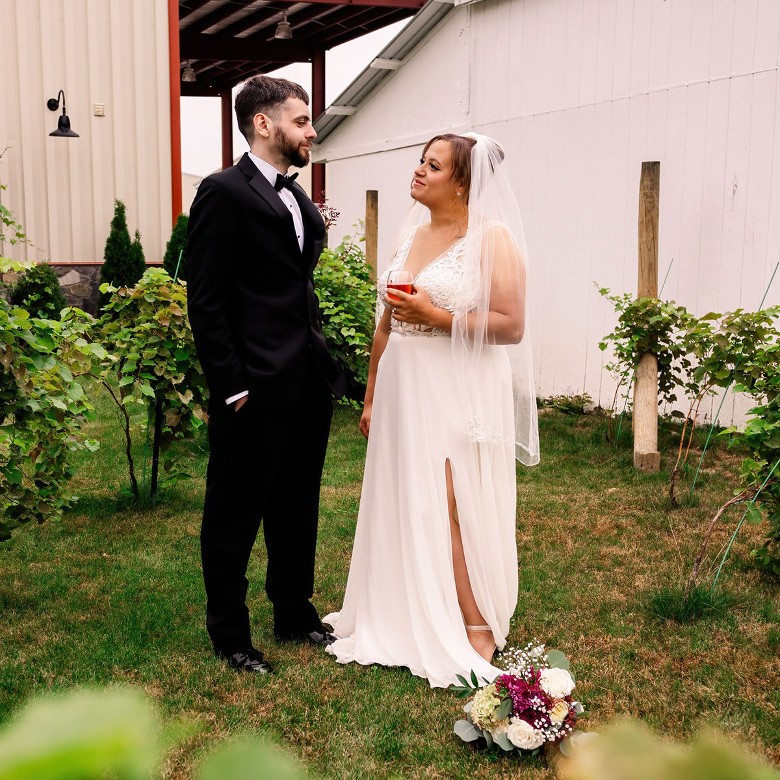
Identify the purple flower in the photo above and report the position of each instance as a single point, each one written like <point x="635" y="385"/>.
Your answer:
<point x="529" y="702"/>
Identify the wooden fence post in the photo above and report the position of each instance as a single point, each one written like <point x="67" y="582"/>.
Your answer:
<point x="372" y="229"/>
<point x="646" y="454"/>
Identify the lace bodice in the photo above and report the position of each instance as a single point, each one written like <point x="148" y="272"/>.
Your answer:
<point x="446" y="279"/>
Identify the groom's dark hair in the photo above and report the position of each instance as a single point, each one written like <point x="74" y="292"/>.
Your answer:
<point x="263" y="95"/>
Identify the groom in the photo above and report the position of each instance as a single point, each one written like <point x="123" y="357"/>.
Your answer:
<point x="254" y="239"/>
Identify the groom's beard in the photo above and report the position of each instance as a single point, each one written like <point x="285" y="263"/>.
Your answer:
<point x="296" y="154"/>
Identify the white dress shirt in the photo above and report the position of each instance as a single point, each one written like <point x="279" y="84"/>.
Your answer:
<point x="288" y="199"/>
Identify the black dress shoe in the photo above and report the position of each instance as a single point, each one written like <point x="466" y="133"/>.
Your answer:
<point x="322" y="638"/>
<point x="249" y="660"/>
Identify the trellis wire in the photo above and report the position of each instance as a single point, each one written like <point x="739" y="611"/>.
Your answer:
<point x="725" y="393"/>
<point x="741" y="521"/>
<point x="178" y="263"/>
<point x="666" y="277"/>
<point x="146" y="452"/>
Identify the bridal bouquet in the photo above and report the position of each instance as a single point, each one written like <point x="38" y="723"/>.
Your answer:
<point x="528" y="706"/>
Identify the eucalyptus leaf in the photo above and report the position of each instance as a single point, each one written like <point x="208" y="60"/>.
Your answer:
<point x="565" y="747"/>
<point x="467" y="731"/>
<point x="504" y="709"/>
<point x="557" y="660"/>
<point x="503" y="742"/>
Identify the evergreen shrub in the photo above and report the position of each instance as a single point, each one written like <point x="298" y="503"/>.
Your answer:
<point x="177" y="243"/>
<point x="38" y="292"/>
<point x="123" y="258"/>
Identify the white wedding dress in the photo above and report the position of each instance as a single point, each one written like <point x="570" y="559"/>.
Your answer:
<point x="400" y="606"/>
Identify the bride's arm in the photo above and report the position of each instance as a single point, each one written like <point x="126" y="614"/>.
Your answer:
<point x="505" y="321"/>
<point x="377" y="348"/>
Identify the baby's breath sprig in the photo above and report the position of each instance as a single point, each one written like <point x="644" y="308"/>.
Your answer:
<point x="522" y="660"/>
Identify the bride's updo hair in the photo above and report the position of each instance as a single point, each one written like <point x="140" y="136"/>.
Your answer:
<point x="461" y="157"/>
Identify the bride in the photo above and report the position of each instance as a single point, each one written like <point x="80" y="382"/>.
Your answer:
<point x="449" y="405"/>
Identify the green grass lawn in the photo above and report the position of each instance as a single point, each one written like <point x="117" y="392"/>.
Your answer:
<point x="113" y="594"/>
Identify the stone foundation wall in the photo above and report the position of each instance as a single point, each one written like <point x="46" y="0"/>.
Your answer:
<point x="80" y="283"/>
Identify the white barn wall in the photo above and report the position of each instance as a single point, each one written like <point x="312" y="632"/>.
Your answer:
<point x="379" y="147"/>
<point x="657" y="81"/>
<point x="189" y="189"/>
<point x="63" y="190"/>
<point x="387" y="172"/>
<point x="580" y="92"/>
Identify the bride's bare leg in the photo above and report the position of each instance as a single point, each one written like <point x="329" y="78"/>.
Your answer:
<point x="481" y="641"/>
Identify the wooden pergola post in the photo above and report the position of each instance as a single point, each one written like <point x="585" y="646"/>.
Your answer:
<point x="646" y="454"/>
<point x="226" y="124"/>
<point x="175" y="107"/>
<point x="372" y="229"/>
<point x="317" y="108"/>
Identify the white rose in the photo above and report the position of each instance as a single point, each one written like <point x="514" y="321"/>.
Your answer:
<point x="556" y="683"/>
<point x="523" y="735"/>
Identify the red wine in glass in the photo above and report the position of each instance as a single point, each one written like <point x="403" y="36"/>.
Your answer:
<point x="400" y="280"/>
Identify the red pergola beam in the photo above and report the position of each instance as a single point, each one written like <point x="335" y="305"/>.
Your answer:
<point x="385" y="3"/>
<point x="219" y="14"/>
<point x="189" y="7"/>
<point x="214" y="47"/>
<point x="264" y="22"/>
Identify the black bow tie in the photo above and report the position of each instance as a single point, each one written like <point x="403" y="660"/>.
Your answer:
<point x="284" y="181"/>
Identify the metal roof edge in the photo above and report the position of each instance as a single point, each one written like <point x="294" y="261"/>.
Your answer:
<point x="369" y="79"/>
<point x="388" y="145"/>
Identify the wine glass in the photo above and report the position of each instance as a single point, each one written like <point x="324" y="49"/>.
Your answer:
<point x="400" y="280"/>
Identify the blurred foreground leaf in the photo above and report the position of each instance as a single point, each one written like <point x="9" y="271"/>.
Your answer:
<point x="84" y="734"/>
<point x="250" y="760"/>
<point x="629" y="751"/>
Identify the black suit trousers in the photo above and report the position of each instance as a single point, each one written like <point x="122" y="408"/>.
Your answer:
<point x="265" y="465"/>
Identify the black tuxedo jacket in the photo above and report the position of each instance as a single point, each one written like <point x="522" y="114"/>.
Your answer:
<point x="250" y="289"/>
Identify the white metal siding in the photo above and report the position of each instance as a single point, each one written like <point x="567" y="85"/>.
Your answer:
<point x="580" y="92"/>
<point x="381" y="144"/>
<point x="684" y="83"/>
<point x="113" y="52"/>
